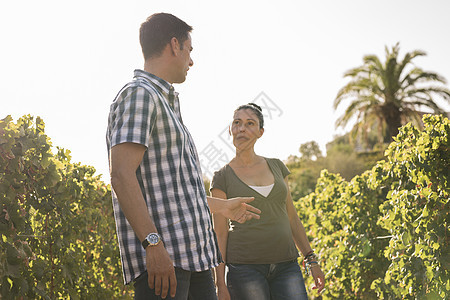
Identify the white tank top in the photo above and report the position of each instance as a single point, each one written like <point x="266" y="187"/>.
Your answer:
<point x="263" y="190"/>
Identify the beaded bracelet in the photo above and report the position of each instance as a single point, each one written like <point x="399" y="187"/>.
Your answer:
<point x="310" y="257"/>
<point x="308" y="266"/>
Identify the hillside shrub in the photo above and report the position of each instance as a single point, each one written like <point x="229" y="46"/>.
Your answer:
<point x="385" y="233"/>
<point x="56" y="221"/>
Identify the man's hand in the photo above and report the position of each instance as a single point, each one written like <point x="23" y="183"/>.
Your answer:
<point x="161" y="273"/>
<point x="238" y="210"/>
<point x="222" y="293"/>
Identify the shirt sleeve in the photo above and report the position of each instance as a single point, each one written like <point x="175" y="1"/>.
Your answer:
<point x="284" y="170"/>
<point x="218" y="181"/>
<point x="133" y="117"/>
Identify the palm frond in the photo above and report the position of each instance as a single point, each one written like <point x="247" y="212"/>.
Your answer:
<point x="383" y="94"/>
<point x="359" y="87"/>
<point x="409" y="56"/>
<point x="439" y="91"/>
<point x="425" y="102"/>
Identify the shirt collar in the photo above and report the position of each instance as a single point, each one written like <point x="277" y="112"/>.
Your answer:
<point x="165" y="88"/>
<point x="163" y="85"/>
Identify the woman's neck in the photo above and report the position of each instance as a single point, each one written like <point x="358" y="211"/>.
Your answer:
<point x="246" y="158"/>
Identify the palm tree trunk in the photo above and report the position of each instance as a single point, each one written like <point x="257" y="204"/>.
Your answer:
<point x="392" y="116"/>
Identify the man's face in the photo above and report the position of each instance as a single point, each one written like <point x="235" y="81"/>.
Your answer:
<point x="185" y="60"/>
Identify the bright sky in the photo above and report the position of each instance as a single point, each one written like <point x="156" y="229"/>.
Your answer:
<point x="65" y="61"/>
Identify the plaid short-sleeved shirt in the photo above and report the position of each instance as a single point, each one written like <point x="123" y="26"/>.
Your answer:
<point x="146" y="111"/>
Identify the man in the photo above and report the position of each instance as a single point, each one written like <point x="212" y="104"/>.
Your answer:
<point x="164" y="227"/>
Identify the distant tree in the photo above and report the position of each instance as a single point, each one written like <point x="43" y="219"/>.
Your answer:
<point x="305" y="169"/>
<point x="341" y="158"/>
<point x="348" y="159"/>
<point x="390" y="94"/>
<point x="310" y="150"/>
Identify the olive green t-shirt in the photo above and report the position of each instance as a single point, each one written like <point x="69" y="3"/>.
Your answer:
<point x="269" y="239"/>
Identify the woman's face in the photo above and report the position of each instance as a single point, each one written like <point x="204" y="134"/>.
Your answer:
<point x="245" y="129"/>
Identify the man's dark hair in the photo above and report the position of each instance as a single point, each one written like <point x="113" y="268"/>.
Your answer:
<point x="157" y="31"/>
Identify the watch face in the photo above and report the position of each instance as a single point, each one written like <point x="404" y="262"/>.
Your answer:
<point x="153" y="239"/>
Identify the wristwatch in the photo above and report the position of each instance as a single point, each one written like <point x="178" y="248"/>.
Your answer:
<point x="152" y="239"/>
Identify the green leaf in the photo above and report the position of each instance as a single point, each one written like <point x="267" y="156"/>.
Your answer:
<point x="45" y="162"/>
<point x="13" y="270"/>
<point x="12" y="255"/>
<point x="366" y="247"/>
<point x="406" y="238"/>
<point x="425" y="212"/>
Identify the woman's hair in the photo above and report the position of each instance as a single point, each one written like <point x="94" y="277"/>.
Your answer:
<point x="256" y="109"/>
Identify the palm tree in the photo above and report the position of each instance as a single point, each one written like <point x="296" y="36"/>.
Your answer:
<point x="386" y="96"/>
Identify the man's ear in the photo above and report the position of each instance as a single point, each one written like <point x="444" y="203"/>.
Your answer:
<point x="174" y="46"/>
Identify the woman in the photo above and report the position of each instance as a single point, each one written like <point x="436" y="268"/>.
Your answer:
<point x="261" y="255"/>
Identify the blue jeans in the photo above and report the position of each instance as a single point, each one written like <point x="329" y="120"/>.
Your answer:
<point x="266" y="281"/>
<point x="190" y="285"/>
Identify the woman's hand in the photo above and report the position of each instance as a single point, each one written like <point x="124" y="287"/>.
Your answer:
<point x="319" y="277"/>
